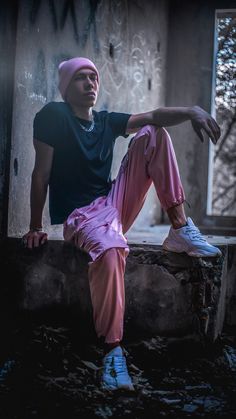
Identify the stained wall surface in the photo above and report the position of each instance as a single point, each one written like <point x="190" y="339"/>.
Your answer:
<point x="126" y="39"/>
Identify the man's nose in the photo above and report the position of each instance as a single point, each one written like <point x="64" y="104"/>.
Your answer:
<point x="89" y="82"/>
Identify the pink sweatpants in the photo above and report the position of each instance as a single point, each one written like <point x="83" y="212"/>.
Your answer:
<point x="99" y="228"/>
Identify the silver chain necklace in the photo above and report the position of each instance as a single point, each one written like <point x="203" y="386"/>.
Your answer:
<point x="88" y="129"/>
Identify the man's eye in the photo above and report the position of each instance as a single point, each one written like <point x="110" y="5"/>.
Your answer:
<point x="79" y="78"/>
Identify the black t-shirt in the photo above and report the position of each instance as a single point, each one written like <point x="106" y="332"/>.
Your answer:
<point x="81" y="169"/>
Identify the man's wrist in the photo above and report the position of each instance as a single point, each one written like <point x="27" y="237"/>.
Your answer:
<point x="191" y="110"/>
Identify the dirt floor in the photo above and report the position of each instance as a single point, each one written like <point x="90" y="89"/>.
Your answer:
<point x="48" y="371"/>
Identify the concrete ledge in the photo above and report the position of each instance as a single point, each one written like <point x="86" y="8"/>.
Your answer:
<point x="166" y="293"/>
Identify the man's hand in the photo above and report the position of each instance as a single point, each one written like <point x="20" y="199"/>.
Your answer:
<point x="202" y="120"/>
<point x="34" y="239"/>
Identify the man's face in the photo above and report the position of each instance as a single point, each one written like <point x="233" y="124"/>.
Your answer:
<point x="83" y="88"/>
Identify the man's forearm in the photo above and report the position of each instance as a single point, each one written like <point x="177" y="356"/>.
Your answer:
<point x="38" y="195"/>
<point x="165" y="117"/>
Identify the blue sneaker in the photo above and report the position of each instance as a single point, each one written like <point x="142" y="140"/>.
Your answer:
<point x="189" y="239"/>
<point x="115" y="374"/>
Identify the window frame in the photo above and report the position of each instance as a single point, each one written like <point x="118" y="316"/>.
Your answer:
<point x="223" y="221"/>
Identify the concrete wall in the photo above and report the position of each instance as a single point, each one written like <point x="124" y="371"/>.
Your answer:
<point x="128" y="42"/>
<point x="166" y="293"/>
<point x="8" y="19"/>
<point x="165" y="45"/>
<point x="189" y="81"/>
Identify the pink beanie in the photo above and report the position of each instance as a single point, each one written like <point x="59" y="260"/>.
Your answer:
<point x="68" y="68"/>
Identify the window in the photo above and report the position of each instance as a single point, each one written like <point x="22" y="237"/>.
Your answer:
<point x="222" y="163"/>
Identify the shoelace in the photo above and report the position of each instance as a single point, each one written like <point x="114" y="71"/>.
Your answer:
<point x="194" y="233"/>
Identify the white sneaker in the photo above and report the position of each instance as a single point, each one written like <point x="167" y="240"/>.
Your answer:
<point x="115" y="374"/>
<point x="189" y="239"/>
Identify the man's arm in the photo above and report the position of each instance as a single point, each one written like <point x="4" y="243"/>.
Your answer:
<point x="38" y="193"/>
<point x="163" y="117"/>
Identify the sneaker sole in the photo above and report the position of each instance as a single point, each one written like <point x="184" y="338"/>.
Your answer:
<point x="191" y="253"/>
<point x="127" y="388"/>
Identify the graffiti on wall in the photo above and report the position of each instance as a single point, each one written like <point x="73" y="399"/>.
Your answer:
<point x="146" y="70"/>
<point x="113" y="34"/>
<point x="129" y="63"/>
<point x="127" y="60"/>
<point x="67" y="10"/>
<point x="113" y="50"/>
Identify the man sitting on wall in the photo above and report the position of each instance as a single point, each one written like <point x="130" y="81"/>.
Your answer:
<point x="74" y="151"/>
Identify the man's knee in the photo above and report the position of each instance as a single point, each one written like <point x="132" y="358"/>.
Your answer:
<point x="152" y="131"/>
<point x="113" y="255"/>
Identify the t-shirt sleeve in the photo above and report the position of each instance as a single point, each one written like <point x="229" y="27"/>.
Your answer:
<point x="118" y="122"/>
<point x="47" y="125"/>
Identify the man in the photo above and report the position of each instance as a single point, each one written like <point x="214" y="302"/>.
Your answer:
<point x="74" y="150"/>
